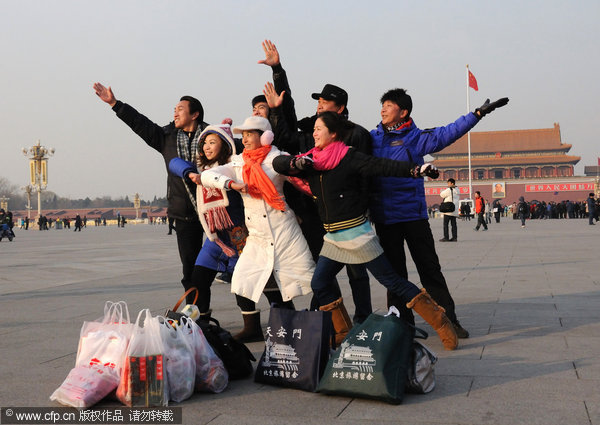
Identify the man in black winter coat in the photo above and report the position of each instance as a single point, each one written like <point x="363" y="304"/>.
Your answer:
<point x="177" y="139"/>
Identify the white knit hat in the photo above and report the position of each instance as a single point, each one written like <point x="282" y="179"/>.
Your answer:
<point x="260" y="124"/>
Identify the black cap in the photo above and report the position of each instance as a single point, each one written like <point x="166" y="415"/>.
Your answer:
<point x="331" y="92"/>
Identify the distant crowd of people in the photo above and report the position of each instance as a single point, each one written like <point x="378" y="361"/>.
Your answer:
<point x="537" y="210"/>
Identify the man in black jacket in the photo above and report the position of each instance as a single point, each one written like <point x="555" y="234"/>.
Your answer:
<point x="177" y="139"/>
<point x="296" y="137"/>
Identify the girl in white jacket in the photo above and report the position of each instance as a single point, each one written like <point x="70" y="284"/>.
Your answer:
<point x="275" y="245"/>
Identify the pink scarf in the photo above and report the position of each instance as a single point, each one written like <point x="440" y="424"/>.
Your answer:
<point x="329" y="157"/>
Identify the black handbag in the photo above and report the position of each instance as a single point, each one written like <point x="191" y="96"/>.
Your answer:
<point x="296" y="348"/>
<point x="236" y="357"/>
<point x="447" y="207"/>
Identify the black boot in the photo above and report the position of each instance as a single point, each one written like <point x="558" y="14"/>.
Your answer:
<point x="460" y="331"/>
<point x="252" y="331"/>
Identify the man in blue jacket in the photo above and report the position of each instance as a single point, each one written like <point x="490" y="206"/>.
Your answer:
<point x="398" y="207"/>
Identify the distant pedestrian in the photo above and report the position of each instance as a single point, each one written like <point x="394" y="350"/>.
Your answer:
<point x="591" y="207"/>
<point x="78" y="223"/>
<point x="480" y="211"/>
<point x="497" y="209"/>
<point x="171" y="221"/>
<point x="522" y="210"/>
<point x="450" y="194"/>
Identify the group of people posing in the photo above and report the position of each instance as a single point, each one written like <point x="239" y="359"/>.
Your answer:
<point x="290" y="204"/>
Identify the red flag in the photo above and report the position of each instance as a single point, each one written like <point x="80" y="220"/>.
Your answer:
<point x="599" y="161"/>
<point x="472" y="81"/>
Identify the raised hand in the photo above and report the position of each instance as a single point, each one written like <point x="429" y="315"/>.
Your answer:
<point x="105" y="94"/>
<point x="488" y="107"/>
<point x="273" y="99"/>
<point x="271" y="53"/>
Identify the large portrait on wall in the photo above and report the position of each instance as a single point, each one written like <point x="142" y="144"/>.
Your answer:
<point x="498" y="190"/>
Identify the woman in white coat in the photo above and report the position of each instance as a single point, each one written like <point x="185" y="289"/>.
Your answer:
<point x="450" y="194"/>
<point x="275" y="245"/>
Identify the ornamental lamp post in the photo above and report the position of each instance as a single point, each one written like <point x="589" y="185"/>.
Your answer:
<point x="4" y="203"/>
<point x="28" y="189"/>
<point x="136" y="205"/>
<point x="38" y="169"/>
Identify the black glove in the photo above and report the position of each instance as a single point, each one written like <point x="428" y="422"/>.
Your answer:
<point x="426" y="169"/>
<point x="302" y="162"/>
<point x="488" y="107"/>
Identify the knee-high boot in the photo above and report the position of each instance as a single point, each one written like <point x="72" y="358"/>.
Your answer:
<point x="252" y="331"/>
<point x="435" y="315"/>
<point x="339" y="316"/>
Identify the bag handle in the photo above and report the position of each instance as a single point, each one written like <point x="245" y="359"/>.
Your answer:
<point x="422" y="334"/>
<point x="116" y="312"/>
<point x="185" y="295"/>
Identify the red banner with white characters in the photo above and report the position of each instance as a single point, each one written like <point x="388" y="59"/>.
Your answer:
<point x="558" y="187"/>
<point x="438" y="190"/>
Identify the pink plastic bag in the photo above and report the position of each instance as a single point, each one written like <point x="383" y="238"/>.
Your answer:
<point x="86" y="386"/>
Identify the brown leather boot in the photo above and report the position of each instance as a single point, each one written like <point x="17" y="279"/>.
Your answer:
<point x="435" y="315"/>
<point x="339" y="316"/>
<point x="252" y="331"/>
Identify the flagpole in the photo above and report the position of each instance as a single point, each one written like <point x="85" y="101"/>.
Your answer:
<point x="469" y="138"/>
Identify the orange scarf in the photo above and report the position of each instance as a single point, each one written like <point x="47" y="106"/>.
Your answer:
<point x="259" y="185"/>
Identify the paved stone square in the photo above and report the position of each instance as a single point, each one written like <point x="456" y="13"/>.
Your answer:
<point x="529" y="297"/>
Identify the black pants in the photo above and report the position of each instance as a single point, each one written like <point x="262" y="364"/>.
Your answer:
<point x="273" y="295"/>
<point x="420" y="243"/>
<point x="189" y="242"/>
<point x="450" y="219"/>
<point x="202" y="278"/>
<point x="481" y="221"/>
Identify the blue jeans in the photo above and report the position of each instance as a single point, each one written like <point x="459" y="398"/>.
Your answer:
<point x="327" y="269"/>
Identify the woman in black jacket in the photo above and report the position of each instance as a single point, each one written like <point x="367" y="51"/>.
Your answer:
<point x="334" y="173"/>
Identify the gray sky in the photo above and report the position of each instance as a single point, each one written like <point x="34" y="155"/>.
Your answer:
<point x="544" y="55"/>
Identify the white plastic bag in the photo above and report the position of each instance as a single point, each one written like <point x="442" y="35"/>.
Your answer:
<point x="211" y="374"/>
<point x="100" y="358"/>
<point x="181" y="365"/>
<point x="144" y="378"/>
<point x="105" y="340"/>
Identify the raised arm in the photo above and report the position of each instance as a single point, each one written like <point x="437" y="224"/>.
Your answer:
<point x="152" y="133"/>
<point x="281" y="85"/>
<point x="105" y="94"/>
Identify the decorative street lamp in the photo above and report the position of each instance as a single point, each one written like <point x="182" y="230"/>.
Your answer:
<point x="4" y="203"/>
<point x="28" y="189"/>
<point x="38" y="169"/>
<point x="136" y="205"/>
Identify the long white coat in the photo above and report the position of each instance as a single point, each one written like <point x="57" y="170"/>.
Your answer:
<point x="275" y="243"/>
<point x="451" y="195"/>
